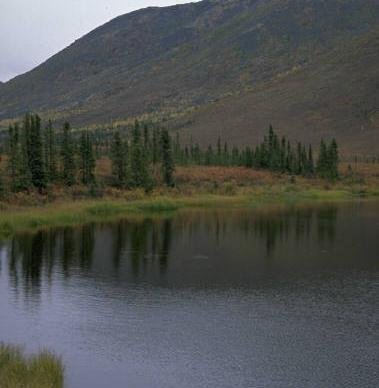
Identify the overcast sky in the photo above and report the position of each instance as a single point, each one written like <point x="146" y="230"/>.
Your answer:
<point x="33" y="30"/>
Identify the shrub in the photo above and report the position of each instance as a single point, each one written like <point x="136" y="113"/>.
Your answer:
<point x="229" y="188"/>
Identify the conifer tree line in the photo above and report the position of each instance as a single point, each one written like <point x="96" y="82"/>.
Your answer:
<point x="135" y="158"/>
<point x="274" y="154"/>
<point x="40" y="156"/>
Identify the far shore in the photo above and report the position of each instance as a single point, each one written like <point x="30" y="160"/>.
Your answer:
<point x="65" y="211"/>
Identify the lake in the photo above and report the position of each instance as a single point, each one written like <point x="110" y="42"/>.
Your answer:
<point x="277" y="297"/>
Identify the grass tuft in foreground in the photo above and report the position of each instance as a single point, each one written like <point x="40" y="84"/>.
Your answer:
<point x="17" y="370"/>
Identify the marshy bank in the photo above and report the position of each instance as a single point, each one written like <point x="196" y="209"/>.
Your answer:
<point x="65" y="212"/>
<point x="196" y="186"/>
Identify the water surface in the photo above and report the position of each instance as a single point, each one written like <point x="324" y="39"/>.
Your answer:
<point x="214" y="298"/>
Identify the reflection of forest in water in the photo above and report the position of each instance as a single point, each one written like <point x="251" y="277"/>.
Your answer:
<point x="33" y="256"/>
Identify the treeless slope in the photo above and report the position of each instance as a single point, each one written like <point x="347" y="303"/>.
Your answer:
<point x="336" y="96"/>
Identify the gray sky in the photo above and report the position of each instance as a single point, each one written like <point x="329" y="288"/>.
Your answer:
<point x="33" y="30"/>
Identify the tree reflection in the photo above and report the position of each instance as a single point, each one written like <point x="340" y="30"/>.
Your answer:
<point x="166" y="245"/>
<point x="326" y="220"/>
<point x="138" y="241"/>
<point x="142" y="249"/>
<point x="86" y="243"/>
<point x="292" y="224"/>
<point x="68" y="250"/>
<point x="119" y="232"/>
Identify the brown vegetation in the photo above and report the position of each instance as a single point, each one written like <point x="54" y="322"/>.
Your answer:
<point x="360" y="178"/>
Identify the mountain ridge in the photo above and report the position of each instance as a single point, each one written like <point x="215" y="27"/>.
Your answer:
<point x="175" y="63"/>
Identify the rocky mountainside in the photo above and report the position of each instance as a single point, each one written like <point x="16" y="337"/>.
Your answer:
<point x="221" y="67"/>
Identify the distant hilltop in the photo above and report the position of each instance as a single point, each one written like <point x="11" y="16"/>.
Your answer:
<point x="220" y="68"/>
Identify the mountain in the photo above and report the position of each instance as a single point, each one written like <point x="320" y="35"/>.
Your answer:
<point x="221" y="67"/>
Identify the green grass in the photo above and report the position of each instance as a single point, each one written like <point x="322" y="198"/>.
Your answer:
<point x="14" y="219"/>
<point x="17" y="370"/>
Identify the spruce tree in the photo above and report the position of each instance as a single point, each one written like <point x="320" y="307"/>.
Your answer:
<point x="186" y="155"/>
<point x="263" y="154"/>
<point x="119" y="161"/>
<point x="13" y="156"/>
<point x="67" y="156"/>
<point x="226" y="155"/>
<point x="304" y="161"/>
<point x="333" y="160"/>
<point x="147" y="143"/>
<point x="140" y="174"/>
<point x="24" y="174"/>
<point x="289" y="158"/>
<point x="283" y="155"/>
<point x="310" y="162"/>
<point x="176" y="149"/>
<point x="167" y="159"/>
<point x="50" y="153"/>
<point x="299" y="166"/>
<point x="209" y="156"/>
<point x="236" y="160"/>
<point x="35" y="154"/>
<point x="196" y="154"/>
<point x="219" y="152"/>
<point x="87" y="160"/>
<point x="322" y="164"/>
<point x="156" y="146"/>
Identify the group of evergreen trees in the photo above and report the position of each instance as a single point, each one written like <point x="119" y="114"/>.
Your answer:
<point x="272" y="154"/>
<point x="134" y="157"/>
<point x="40" y="156"/>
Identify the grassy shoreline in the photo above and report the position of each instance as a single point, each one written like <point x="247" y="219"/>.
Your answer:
<point x="15" y="219"/>
<point x="43" y="370"/>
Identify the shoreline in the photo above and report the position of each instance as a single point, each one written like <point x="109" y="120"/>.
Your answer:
<point x="14" y="219"/>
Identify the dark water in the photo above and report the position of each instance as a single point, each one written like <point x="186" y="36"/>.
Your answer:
<point x="240" y="298"/>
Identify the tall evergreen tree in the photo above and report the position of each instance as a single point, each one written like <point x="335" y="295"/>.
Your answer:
<point x="209" y="157"/>
<point x="13" y="156"/>
<point x="226" y="155"/>
<point x="140" y="174"/>
<point x="219" y="152"/>
<point x="282" y="153"/>
<point x="119" y="161"/>
<point x="289" y="158"/>
<point x="310" y="163"/>
<point x="25" y="176"/>
<point x="156" y="146"/>
<point x="167" y="159"/>
<point x="147" y="143"/>
<point x="248" y="157"/>
<point x="35" y="152"/>
<point x="333" y="160"/>
<point x="322" y="164"/>
<point x="299" y="165"/>
<point x="87" y="160"/>
<point x="67" y="156"/>
<point x="50" y="153"/>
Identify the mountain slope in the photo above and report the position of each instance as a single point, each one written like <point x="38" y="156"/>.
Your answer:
<point x="308" y="66"/>
<point x="336" y="96"/>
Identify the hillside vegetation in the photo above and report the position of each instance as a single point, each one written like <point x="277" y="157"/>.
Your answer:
<point x="220" y="67"/>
